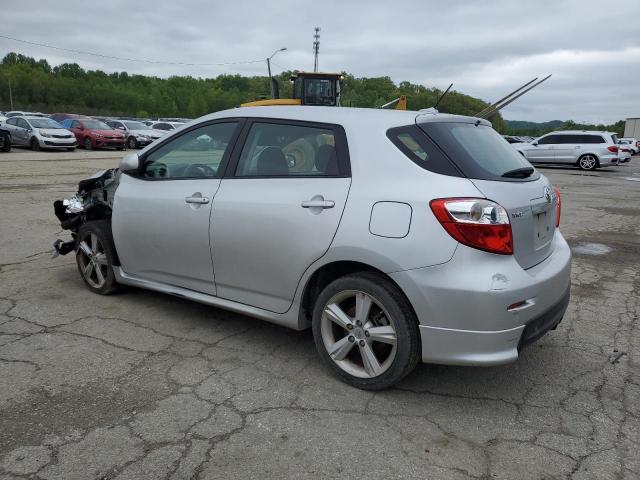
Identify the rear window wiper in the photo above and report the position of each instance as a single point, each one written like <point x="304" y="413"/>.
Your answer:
<point x="523" y="172"/>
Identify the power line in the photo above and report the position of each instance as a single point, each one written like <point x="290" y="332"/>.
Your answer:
<point x="139" y="60"/>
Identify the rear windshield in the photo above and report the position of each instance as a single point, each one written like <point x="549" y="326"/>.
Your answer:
<point x="477" y="150"/>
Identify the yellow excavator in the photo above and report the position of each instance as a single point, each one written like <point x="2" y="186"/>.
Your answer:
<point x="315" y="88"/>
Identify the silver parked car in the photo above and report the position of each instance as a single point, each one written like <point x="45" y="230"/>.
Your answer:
<point x="397" y="236"/>
<point x="138" y="134"/>
<point x="39" y="132"/>
<point x="586" y="149"/>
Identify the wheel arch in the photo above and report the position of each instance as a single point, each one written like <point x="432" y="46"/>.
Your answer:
<point x="326" y="273"/>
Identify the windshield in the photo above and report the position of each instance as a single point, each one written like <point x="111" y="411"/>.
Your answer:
<point x="96" y="125"/>
<point x="44" y="123"/>
<point x="477" y="150"/>
<point x="137" y="126"/>
<point x="318" y="91"/>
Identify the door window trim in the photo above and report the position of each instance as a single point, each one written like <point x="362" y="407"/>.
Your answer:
<point x="170" y="137"/>
<point x="339" y="135"/>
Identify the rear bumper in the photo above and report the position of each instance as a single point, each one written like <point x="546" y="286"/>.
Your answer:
<point x="462" y="304"/>
<point x="479" y="348"/>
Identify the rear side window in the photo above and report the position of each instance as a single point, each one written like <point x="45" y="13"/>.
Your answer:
<point x="287" y="150"/>
<point x="421" y="150"/>
<point x="592" y="139"/>
<point x="477" y="150"/>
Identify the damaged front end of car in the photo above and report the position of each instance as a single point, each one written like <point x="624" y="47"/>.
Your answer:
<point x="94" y="201"/>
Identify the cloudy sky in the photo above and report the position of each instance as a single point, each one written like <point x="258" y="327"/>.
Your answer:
<point x="486" y="48"/>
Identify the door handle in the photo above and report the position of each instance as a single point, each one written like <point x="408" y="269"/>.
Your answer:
<point x="197" y="199"/>
<point x="318" y="204"/>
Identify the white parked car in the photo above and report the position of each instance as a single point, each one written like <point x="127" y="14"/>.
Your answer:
<point x="39" y="132"/>
<point x="165" y="127"/>
<point x="632" y="143"/>
<point x="586" y="149"/>
<point x="138" y="134"/>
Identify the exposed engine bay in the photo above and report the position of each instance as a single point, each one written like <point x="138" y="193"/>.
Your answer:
<point x="94" y="201"/>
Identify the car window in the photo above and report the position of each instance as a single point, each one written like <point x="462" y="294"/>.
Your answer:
<point x="12" y="121"/>
<point x="163" y="126"/>
<point x="195" y="154"/>
<point x="22" y="123"/>
<point x="477" y="150"/>
<point x="549" y="140"/>
<point x="411" y="141"/>
<point x="280" y="150"/>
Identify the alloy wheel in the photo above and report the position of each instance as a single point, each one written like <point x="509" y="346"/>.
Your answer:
<point x="93" y="260"/>
<point x="358" y="334"/>
<point x="588" y="162"/>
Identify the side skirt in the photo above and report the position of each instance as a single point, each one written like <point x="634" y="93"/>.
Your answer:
<point x="288" y="319"/>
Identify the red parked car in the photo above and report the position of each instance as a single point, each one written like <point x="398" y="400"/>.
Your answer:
<point x="91" y="133"/>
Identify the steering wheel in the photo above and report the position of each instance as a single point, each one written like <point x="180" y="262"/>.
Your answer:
<point x="199" y="170"/>
<point x="156" y="170"/>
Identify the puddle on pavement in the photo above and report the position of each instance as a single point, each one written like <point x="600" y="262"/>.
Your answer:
<point x="591" y="249"/>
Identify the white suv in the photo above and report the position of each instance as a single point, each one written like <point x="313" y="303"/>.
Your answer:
<point x="586" y="149"/>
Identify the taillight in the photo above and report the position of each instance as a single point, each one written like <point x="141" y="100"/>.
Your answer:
<point x="613" y="149"/>
<point x="558" y="207"/>
<point x="475" y="222"/>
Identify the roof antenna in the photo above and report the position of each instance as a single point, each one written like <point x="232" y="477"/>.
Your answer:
<point x="442" y="96"/>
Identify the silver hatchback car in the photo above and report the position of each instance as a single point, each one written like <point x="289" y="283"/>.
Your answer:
<point x="398" y="237"/>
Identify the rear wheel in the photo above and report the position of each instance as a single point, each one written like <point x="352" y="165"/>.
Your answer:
<point x="95" y="256"/>
<point x="87" y="143"/>
<point x="588" y="162"/>
<point x="35" y="144"/>
<point x="365" y="331"/>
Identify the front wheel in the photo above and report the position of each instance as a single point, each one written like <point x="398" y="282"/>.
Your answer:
<point x="95" y="256"/>
<point x="588" y="162"/>
<point x="366" y="331"/>
<point x="35" y="144"/>
<point x="6" y="143"/>
<point x="132" y="143"/>
<point x="87" y="143"/>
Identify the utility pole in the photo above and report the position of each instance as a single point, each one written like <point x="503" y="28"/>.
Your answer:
<point x="269" y="68"/>
<point x="10" y="94"/>
<point x="316" y="47"/>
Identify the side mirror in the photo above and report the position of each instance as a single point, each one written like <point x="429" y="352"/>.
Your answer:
<point x="129" y="163"/>
<point x="535" y="144"/>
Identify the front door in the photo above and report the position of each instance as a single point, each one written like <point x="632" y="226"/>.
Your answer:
<point x="277" y="209"/>
<point x="543" y="151"/>
<point x="161" y="216"/>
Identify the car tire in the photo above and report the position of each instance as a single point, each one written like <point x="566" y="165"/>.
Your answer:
<point x="132" y="143"/>
<point x="34" y="144"/>
<point x="588" y="162"/>
<point x="96" y="256"/>
<point x="86" y="143"/>
<point x="71" y="149"/>
<point x="389" y="331"/>
<point x="6" y="143"/>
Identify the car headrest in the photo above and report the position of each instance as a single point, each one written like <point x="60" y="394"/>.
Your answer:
<point x="272" y="161"/>
<point x="326" y="160"/>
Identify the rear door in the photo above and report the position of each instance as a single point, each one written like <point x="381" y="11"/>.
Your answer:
<point x="278" y="209"/>
<point x="567" y="148"/>
<point x="484" y="158"/>
<point x="161" y="216"/>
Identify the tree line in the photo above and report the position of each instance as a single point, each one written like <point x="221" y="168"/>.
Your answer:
<point x="38" y="86"/>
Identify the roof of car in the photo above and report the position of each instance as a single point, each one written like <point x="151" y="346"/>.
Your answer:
<point x="599" y="132"/>
<point x="341" y="115"/>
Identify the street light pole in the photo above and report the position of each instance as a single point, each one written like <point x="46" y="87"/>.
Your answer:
<point x="269" y="67"/>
